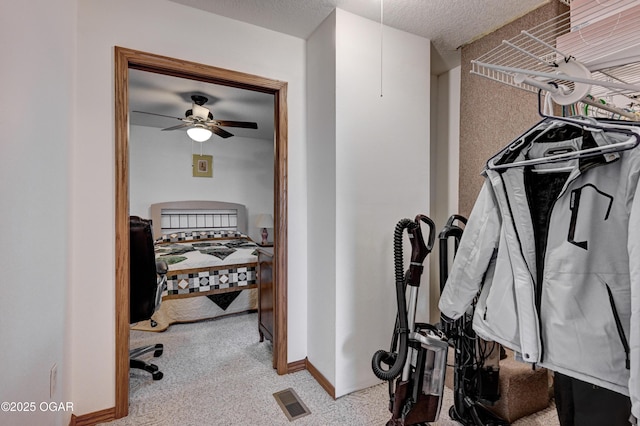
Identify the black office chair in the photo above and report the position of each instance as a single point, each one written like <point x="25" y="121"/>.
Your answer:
<point x="147" y="282"/>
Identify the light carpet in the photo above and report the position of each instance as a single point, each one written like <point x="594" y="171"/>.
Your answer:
<point x="217" y="373"/>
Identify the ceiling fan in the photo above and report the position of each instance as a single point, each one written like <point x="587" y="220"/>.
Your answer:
<point x="200" y="123"/>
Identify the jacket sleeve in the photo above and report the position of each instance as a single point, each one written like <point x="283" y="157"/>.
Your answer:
<point x="633" y="247"/>
<point x="479" y="240"/>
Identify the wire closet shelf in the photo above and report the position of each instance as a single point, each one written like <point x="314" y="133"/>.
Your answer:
<point x="589" y="55"/>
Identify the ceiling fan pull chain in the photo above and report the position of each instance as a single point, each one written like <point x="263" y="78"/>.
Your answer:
<point x="193" y="150"/>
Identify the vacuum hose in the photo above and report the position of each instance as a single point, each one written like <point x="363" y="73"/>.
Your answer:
<point x="396" y="362"/>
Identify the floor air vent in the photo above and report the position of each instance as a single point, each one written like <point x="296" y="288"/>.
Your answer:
<point x="291" y="404"/>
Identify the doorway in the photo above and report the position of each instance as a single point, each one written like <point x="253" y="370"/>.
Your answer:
<point x="126" y="59"/>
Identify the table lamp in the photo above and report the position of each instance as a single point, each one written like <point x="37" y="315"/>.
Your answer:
<point x="264" y="221"/>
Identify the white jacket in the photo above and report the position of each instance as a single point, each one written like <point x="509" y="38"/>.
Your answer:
<point x="583" y="317"/>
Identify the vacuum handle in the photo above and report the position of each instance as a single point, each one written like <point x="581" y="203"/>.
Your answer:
<point x="455" y="217"/>
<point x="419" y="250"/>
<point x="432" y="229"/>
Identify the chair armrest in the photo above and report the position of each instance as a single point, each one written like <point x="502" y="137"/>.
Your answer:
<point x="161" y="270"/>
<point x="161" y="267"/>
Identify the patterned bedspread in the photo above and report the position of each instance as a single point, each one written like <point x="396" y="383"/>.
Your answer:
<point x="207" y="263"/>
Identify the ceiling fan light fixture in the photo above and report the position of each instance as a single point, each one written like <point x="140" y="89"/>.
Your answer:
<point x="199" y="133"/>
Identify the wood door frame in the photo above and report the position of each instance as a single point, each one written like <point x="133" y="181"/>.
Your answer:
<point x="126" y="59"/>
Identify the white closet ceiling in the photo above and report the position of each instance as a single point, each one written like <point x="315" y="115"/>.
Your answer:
<point x="447" y="23"/>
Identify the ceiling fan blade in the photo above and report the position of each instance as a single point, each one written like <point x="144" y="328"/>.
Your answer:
<point x="220" y="132"/>
<point x="243" y="124"/>
<point x="159" y="115"/>
<point x="179" y="126"/>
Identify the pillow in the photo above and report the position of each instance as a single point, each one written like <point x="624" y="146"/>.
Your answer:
<point x="178" y="237"/>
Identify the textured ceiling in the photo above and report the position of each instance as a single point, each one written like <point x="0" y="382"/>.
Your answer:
<point x="447" y="23"/>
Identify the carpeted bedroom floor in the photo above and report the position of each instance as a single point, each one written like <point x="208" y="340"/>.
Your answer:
<point x="217" y="373"/>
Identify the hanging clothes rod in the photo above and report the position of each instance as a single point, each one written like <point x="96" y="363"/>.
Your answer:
<point x="610" y="109"/>
<point x="563" y="90"/>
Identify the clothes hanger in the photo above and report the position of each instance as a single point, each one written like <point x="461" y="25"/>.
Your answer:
<point x="586" y="124"/>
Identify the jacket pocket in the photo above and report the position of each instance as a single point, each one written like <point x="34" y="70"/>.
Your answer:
<point x="582" y="328"/>
<point x="496" y="313"/>
<point x="616" y="317"/>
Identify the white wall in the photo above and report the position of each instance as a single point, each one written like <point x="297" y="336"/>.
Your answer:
<point x="445" y="149"/>
<point x="382" y="176"/>
<point x="160" y="170"/>
<point x="36" y="127"/>
<point x="368" y="168"/>
<point x="321" y="165"/>
<point x="452" y="140"/>
<point x="164" y="28"/>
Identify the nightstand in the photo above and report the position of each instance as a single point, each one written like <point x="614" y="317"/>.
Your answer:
<point x="266" y="299"/>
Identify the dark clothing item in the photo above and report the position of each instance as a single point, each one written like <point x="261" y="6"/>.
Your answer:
<point x="582" y="404"/>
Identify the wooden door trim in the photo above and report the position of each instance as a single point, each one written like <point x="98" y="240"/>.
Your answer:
<point x="126" y="59"/>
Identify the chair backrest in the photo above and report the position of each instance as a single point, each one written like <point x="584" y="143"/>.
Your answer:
<point x="143" y="282"/>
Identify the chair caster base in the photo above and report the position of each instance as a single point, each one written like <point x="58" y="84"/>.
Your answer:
<point x="158" y="351"/>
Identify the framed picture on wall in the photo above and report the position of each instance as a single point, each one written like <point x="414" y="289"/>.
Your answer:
<point x="202" y="165"/>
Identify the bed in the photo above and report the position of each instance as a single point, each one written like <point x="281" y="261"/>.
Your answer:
<point x="212" y="261"/>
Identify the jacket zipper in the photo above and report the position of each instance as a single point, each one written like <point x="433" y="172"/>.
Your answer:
<point x="540" y="275"/>
<point x="533" y="279"/>
<point x="616" y="317"/>
<point x="540" y="279"/>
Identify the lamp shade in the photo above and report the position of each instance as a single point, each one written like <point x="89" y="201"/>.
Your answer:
<point x="264" y="221"/>
<point x="199" y="134"/>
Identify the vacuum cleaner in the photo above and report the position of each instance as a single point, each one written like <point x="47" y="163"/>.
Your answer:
<point x="416" y="362"/>
<point x="475" y="378"/>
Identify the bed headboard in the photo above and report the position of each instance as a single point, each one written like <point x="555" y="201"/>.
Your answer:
<point x="177" y="216"/>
